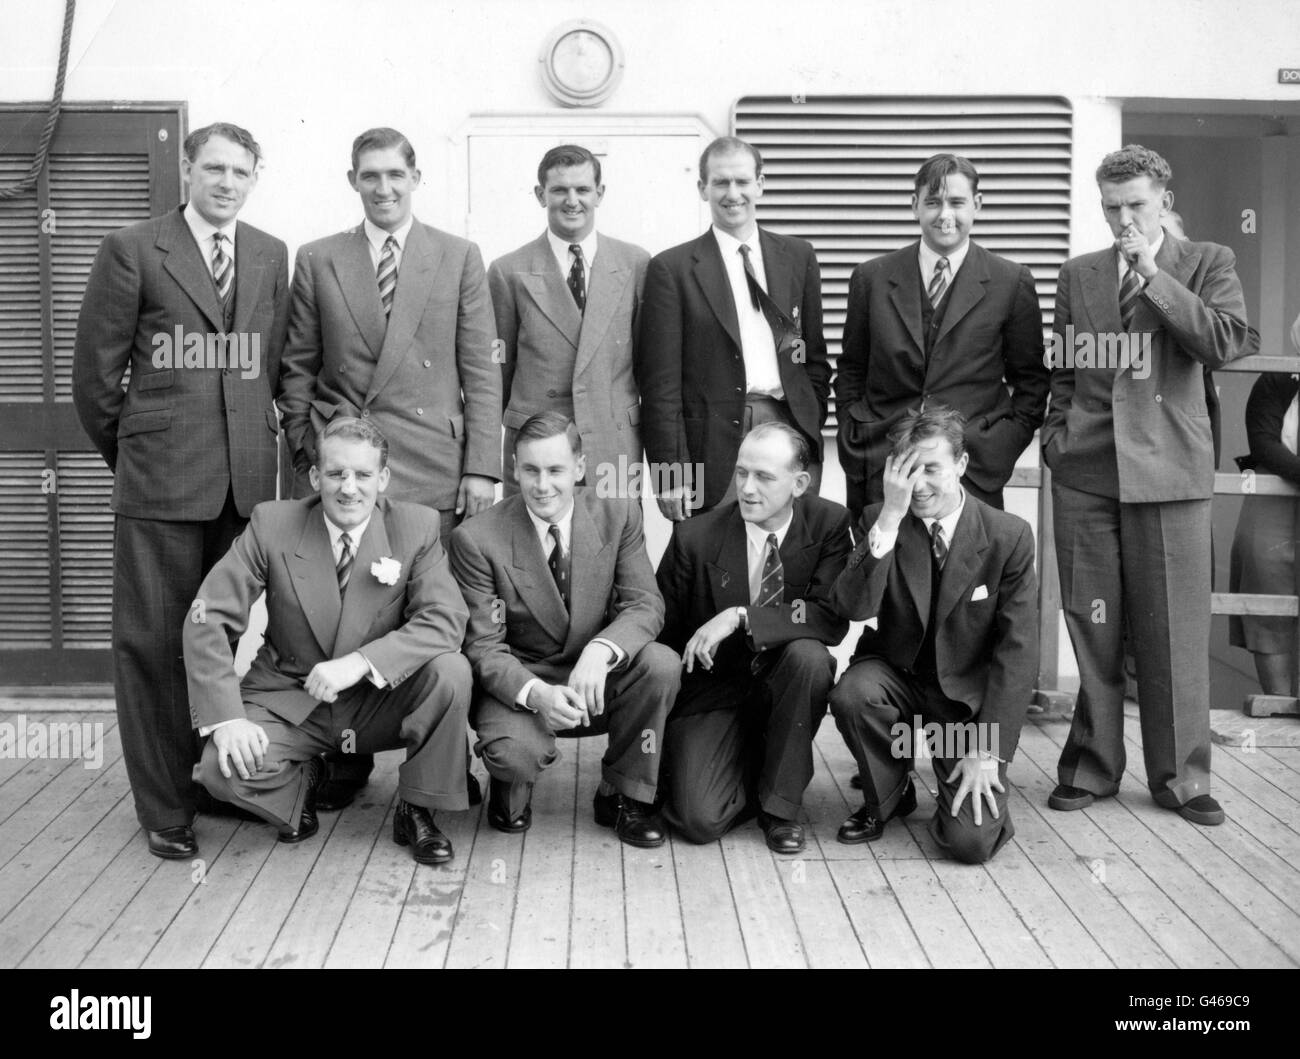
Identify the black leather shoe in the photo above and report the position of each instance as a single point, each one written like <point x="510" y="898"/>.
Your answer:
<point x="308" y="824"/>
<point x="413" y="826"/>
<point x="783" y="836"/>
<point x="1066" y="798"/>
<point x="498" y="811"/>
<point x="865" y="826"/>
<point x="472" y="789"/>
<point x="346" y="776"/>
<point x="173" y="843"/>
<point x="209" y="806"/>
<point x="1202" y="810"/>
<point x="634" y="822"/>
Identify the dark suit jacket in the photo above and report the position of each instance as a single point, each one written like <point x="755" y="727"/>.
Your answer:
<point x="1266" y="409"/>
<point x="689" y="364"/>
<point x="992" y="331"/>
<point x="986" y="650"/>
<point x="558" y="359"/>
<point x="285" y="550"/>
<point x="706" y="570"/>
<point x="425" y="377"/>
<point x="178" y="437"/>
<point x="518" y="626"/>
<point x="1147" y="439"/>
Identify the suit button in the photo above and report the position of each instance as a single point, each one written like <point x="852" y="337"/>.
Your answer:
<point x="419" y="411"/>
<point x="1159" y="398"/>
<point x="735" y="422"/>
<point x="428" y="363"/>
<point x="737" y="389"/>
<point x="365" y="413"/>
<point x="551" y="393"/>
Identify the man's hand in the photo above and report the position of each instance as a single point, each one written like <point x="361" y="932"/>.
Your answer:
<point x="475" y="494"/>
<point x="327" y="679"/>
<point x="1137" y="252"/>
<point x="979" y="779"/>
<point x="700" y="647"/>
<point x="900" y="478"/>
<point x="560" y="708"/>
<point x="242" y="742"/>
<point x="589" y="675"/>
<point x="672" y="504"/>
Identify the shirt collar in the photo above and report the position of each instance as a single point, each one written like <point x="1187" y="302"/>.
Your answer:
<point x="757" y="536"/>
<point x="730" y="245"/>
<point x="543" y="527"/>
<point x="929" y="257"/>
<point x="377" y="236"/>
<point x="950" y="520"/>
<point x="203" y="228"/>
<point x="354" y="534"/>
<point x="560" y="248"/>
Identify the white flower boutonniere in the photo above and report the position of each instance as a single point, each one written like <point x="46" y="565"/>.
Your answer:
<point x="386" y="570"/>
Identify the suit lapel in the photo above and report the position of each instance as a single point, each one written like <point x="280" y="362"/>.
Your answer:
<point x="711" y="275"/>
<point x="415" y="280"/>
<point x="609" y="275"/>
<point x="248" y="278"/>
<point x="318" y="593"/>
<point x="588" y="568"/>
<point x="968" y="291"/>
<point x="549" y="290"/>
<point x="905" y="294"/>
<point x="185" y="264"/>
<point x="1099" y="279"/>
<point x="799" y="550"/>
<point x="356" y="276"/>
<point x="965" y="556"/>
<point x="366" y="594"/>
<point x="779" y="275"/>
<point x="729" y="571"/>
<point x="532" y="577"/>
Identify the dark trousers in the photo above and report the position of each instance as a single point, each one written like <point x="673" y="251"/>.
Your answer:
<point x="516" y="746"/>
<point x="425" y="714"/>
<point x="869" y="703"/>
<point x="737" y="744"/>
<point x="157" y="569"/>
<point x="1149" y="565"/>
<point x="759" y="410"/>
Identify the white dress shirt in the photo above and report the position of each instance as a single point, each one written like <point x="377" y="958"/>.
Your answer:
<point x="757" y="346"/>
<point x="564" y="259"/>
<point x="756" y="551"/>
<point x="1123" y="265"/>
<point x="376" y="237"/>
<point x="203" y="231"/>
<point x="928" y="259"/>
<point x="882" y="543"/>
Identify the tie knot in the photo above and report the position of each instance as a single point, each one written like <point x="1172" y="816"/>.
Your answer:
<point x="390" y="243"/>
<point x="744" y="250"/>
<point x="941" y="265"/>
<point x="772" y="542"/>
<point x="936" y="532"/>
<point x="554" y="531"/>
<point x="217" y="238"/>
<point x="346" y="541"/>
<point x="576" y="250"/>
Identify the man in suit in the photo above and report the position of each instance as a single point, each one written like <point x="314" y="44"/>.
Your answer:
<point x="943" y="320"/>
<point x="566" y="317"/>
<point x="563" y="615"/>
<point x="392" y="321"/>
<point x="194" y="305"/>
<point x="745" y="593"/>
<point x="730" y="337"/>
<point x="1129" y="444"/>
<point x="950" y="583"/>
<point x="364" y="626"/>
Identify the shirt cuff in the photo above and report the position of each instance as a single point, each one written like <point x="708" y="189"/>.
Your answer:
<point x="521" y="700"/>
<point x="619" y="653"/>
<point x="880" y="542"/>
<point x="376" y="678"/>
<point x="208" y="729"/>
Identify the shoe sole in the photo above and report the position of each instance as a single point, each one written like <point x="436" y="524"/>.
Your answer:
<point x="1069" y="805"/>
<point x="1204" y="819"/>
<point x="173" y="856"/>
<point x="858" y="841"/>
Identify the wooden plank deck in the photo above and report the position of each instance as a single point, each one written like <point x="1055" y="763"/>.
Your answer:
<point x="1121" y="884"/>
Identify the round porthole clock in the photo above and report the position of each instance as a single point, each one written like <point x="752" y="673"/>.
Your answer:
<point x="582" y="63"/>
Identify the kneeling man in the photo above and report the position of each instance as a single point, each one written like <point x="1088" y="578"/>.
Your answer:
<point x="950" y="583"/>
<point x="364" y="627"/>
<point x="563" y="613"/>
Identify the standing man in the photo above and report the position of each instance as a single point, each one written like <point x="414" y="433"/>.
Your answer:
<point x="563" y="612"/>
<point x="1130" y="449"/>
<point x="950" y="582"/>
<point x="392" y="322"/>
<point x="566" y="318"/>
<point x="943" y="320"/>
<point x="191" y="441"/>
<point x="730" y="337"/>
<point x="745" y="592"/>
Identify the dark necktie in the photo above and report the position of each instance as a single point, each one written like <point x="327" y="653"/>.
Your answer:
<point x="577" y="280"/>
<point x="559" y="564"/>
<point x="938" y="544"/>
<point x="938" y="282"/>
<point x="386" y="274"/>
<point x="223" y="271"/>
<point x="1129" y="290"/>
<point x="344" y="568"/>
<point x="771" y="588"/>
<point x="751" y="280"/>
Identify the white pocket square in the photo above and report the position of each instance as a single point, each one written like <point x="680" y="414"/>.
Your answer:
<point x="980" y="593"/>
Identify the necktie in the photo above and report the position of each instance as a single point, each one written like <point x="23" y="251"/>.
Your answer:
<point x="577" y="282"/>
<point x="559" y="564"/>
<point x="387" y="274"/>
<point x="223" y="270"/>
<point x="938" y="544"/>
<point x="1129" y="289"/>
<point x="771" y="588"/>
<point x="938" y="282"/>
<point x="755" y="288"/>
<point x="344" y="568"/>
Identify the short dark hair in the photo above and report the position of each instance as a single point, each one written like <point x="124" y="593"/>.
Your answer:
<point x="380" y="139"/>
<point x="545" y="425"/>
<point x="1132" y="161"/>
<point x="799" y="447"/>
<point x="349" y="428"/>
<point x="934" y="420"/>
<point x="564" y="156"/>
<point x="938" y="167"/>
<point x="234" y="133"/>
<point x="729" y="145"/>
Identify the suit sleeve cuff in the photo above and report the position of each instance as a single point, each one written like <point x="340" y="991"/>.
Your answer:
<point x="376" y="678"/>
<point x="620" y="656"/>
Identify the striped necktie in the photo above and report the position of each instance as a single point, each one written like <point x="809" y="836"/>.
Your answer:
<point x="344" y="568"/>
<point x="223" y="270"/>
<point x="1129" y="289"/>
<point x="387" y="274"/>
<point x="751" y="279"/>
<point x="771" y="588"/>
<point x="938" y="544"/>
<point x="577" y="278"/>
<point x="938" y="282"/>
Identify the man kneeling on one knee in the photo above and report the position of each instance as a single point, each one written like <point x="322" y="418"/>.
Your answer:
<point x="950" y="583"/>
<point x="364" y="627"/>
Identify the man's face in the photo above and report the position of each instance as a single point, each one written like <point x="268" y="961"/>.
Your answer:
<point x="1139" y="202"/>
<point x="732" y="192"/>
<point x="946" y="214"/>
<point x="547" y="472"/>
<point x="570" y="197"/>
<point x="220" y="178"/>
<point x="385" y="182"/>
<point x="349" y="479"/>
<point x="938" y="491"/>
<point x="767" y="480"/>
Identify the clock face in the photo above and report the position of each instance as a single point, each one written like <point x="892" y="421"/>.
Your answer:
<point x="582" y="60"/>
